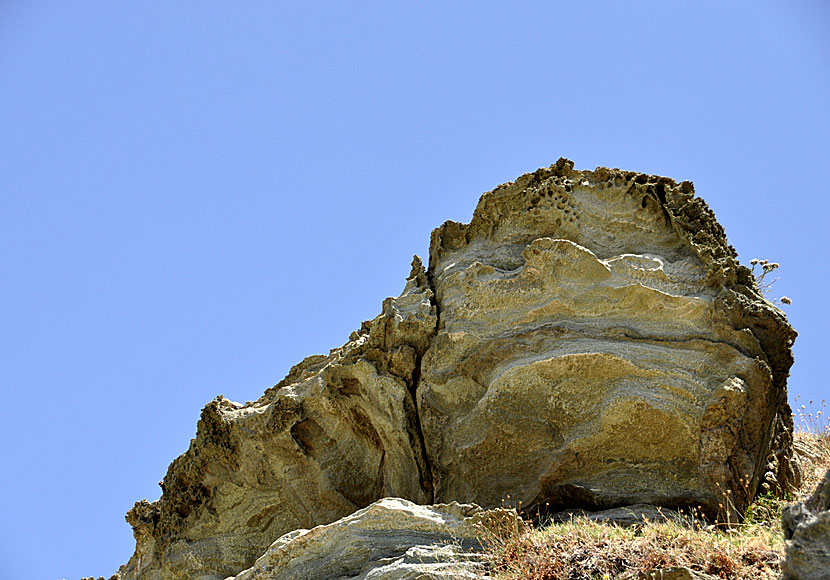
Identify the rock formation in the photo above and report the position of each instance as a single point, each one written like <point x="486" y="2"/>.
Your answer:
<point x="390" y="539"/>
<point x="600" y="323"/>
<point x="338" y="433"/>
<point x="588" y="340"/>
<point x="807" y="531"/>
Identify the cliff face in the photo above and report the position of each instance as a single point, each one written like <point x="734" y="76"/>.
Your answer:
<point x="598" y="345"/>
<point x="588" y="340"/>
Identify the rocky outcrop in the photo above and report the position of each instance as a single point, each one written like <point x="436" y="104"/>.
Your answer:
<point x="599" y="345"/>
<point x="390" y="539"/>
<point x="338" y="433"/>
<point x="807" y="532"/>
<point x="588" y="340"/>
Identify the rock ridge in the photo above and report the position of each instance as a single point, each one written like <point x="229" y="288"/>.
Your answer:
<point x="256" y="471"/>
<point x="588" y="341"/>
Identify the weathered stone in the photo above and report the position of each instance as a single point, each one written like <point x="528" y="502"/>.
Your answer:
<point x="338" y="433"/>
<point x="807" y="450"/>
<point x="392" y="539"/>
<point x="589" y="340"/>
<point x="599" y="345"/>
<point x="807" y="531"/>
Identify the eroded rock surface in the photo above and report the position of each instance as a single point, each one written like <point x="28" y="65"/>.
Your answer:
<point x="392" y="539"/>
<point x="807" y="531"/>
<point x="338" y="433"/>
<point x="589" y="340"/>
<point x="599" y="345"/>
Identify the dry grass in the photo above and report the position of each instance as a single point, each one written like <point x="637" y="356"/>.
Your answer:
<point x="582" y="549"/>
<point x="585" y="550"/>
<point x="813" y="434"/>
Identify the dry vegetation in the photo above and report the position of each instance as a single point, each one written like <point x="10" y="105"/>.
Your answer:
<point x="581" y="549"/>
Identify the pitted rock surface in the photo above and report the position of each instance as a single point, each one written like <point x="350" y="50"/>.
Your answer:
<point x="599" y="345"/>
<point x="589" y="340"/>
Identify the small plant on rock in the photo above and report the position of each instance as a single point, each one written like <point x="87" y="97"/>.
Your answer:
<point x="813" y="432"/>
<point x="763" y="283"/>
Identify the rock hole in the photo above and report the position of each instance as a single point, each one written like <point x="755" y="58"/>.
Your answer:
<point x="351" y="386"/>
<point x="660" y="189"/>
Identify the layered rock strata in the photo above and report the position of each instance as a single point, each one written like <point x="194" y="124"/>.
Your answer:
<point x="390" y="539"/>
<point x="339" y="432"/>
<point x="600" y="345"/>
<point x="588" y="340"/>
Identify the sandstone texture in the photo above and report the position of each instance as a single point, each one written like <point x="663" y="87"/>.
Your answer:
<point x="338" y="433"/>
<point x="390" y="539"/>
<point x="807" y="531"/>
<point x="589" y="340"/>
<point x="599" y="345"/>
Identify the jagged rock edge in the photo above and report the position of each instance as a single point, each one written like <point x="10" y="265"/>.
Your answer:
<point x="690" y="218"/>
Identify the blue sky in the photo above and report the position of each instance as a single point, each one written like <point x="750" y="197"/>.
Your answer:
<point x="197" y="195"/>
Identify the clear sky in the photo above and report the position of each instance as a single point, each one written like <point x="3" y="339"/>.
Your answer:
<point x="197" y="195"/>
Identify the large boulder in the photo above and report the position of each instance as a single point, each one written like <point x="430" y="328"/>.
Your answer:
<point x="600" y="345"/>
<point x="392" y="539"/>
<point x="807" y="533"/>
<point x="588" y="341"/>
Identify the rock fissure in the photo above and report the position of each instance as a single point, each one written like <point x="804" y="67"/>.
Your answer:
<point x="425" y="476"/>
